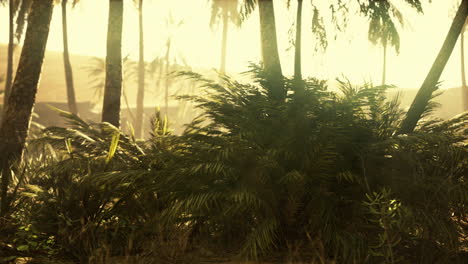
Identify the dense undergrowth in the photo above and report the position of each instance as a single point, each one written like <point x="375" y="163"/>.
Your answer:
<point x="316" y="176"/>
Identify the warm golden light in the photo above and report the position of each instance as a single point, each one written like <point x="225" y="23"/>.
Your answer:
<point x="350" y="55"/>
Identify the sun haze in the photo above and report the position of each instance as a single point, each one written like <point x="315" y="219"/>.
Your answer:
<point x="350" y="55"/>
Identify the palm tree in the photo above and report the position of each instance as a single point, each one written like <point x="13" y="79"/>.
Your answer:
<point x="97" y="71"/>
<point x="226" y="10"/>
<point x="113" y="83"/>
<point x="17" y="111"/>
<point x="464" y="86"/>
<point x="269" y="44"/>
<point x="382" y="31"/>
<point x="9" y="74"/>
<point x="72" y="107"/>
<point x="172" y="25"/>
<point x="23" y="6"/>
<point x="141" y="74"/>
<point x="298" y="51"/>
<point x="429" y="85"/>
<point x="270" y="54"/>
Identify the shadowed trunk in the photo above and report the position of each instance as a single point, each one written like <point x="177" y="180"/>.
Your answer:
<point x="72" y="107"/>
<point x="298" y="51"/>
<point x="17" y="113"/>
<point x="430" y="83"/>
<point x="464" y="88"/>
<point x="141" y="75"/>
<point x="222" y="67"/>
<point x="113" y="83"/>
<point x="270" y="55"/>
<point x="11" y="39"/>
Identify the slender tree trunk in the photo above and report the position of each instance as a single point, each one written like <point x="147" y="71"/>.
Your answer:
<point x="430" y="83"/>
<point x="72" y="107"/>
<point x="270" y="55"/>
<point x="23" y="11"/>
<point x="166" y="78"/>
<point x="464" y="88"/>
<point x="141" y="75"/>
<point x="384" y="66"/>
<point x="17" y="113"/>
<point x="222" y="67"/>
<point x="298" y="51"/>
<point x="11" y="39"/>
<point x="113" y="82"/>
<point x="129" y="110"/>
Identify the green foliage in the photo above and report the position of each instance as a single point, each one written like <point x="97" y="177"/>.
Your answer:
<point x="29" y="240"/>
<point x="303" y="167"/>
<point x="319" y="175"/>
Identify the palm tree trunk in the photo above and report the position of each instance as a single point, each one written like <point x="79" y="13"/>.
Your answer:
<point x="166" y="78"/>
<point x="113" y="83"/>
<point x="141" y="75"/>
<point x="222" y="67"/>
<point x="72" y="107"/>
<point x="17" y="113"/>
<point x="21" y="18"/>
<point x="384" y="66"/>
<point x="9" y="74"/>
<point x="463" y="76"/>
<point x="298" y="51"/>
<point x="270" y="55"/>
<point x="129" y="110"/>
<point x="430" y="83"/>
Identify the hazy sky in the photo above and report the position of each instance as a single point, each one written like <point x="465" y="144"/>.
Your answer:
<point x="350" y="55"/>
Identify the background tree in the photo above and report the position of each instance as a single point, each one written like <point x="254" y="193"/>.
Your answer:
<point x="382" y="29"/>
<point x="9" y="73"/>
<point x="141" y="74"/>
<point x="97" y="72"/>
<point x="171" y="25"/>
<point x="464" y="88"/>
<point x="71" y="99"/>
<point x="269" y="44"/>
<point x="18" y="9"/>
<point x="17" y="112"/>
<point x="113" y="84"/>
<point x="227" y="11"/>
<point x="429" y="85"/>
<point x="298" y="43"/>
<point x="270" y="53"/>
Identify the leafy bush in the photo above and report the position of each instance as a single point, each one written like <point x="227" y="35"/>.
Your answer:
<point x="316" y="176"/>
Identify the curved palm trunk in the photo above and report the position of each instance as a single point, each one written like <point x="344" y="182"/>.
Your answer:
<point x="270" y="55"/>
<point x="464" y="87"/>
<point x="11" y="38"/>
<point x="113" y="82"/>
<point x="384" y="66"/>
<point x="17" y="113"/>
<point x="298" y="51"/>
<point x="72" y="107"/>
<point x="222" y="67"/>
<point x="430" y="83"/>
<point x="141" y="75"/>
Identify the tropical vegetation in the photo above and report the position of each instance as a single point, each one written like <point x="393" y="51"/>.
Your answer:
<point x="271" y="169"/>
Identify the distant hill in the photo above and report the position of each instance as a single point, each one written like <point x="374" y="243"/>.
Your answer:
<point x="450" y="101"/>
<point x="52" y="85"/>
